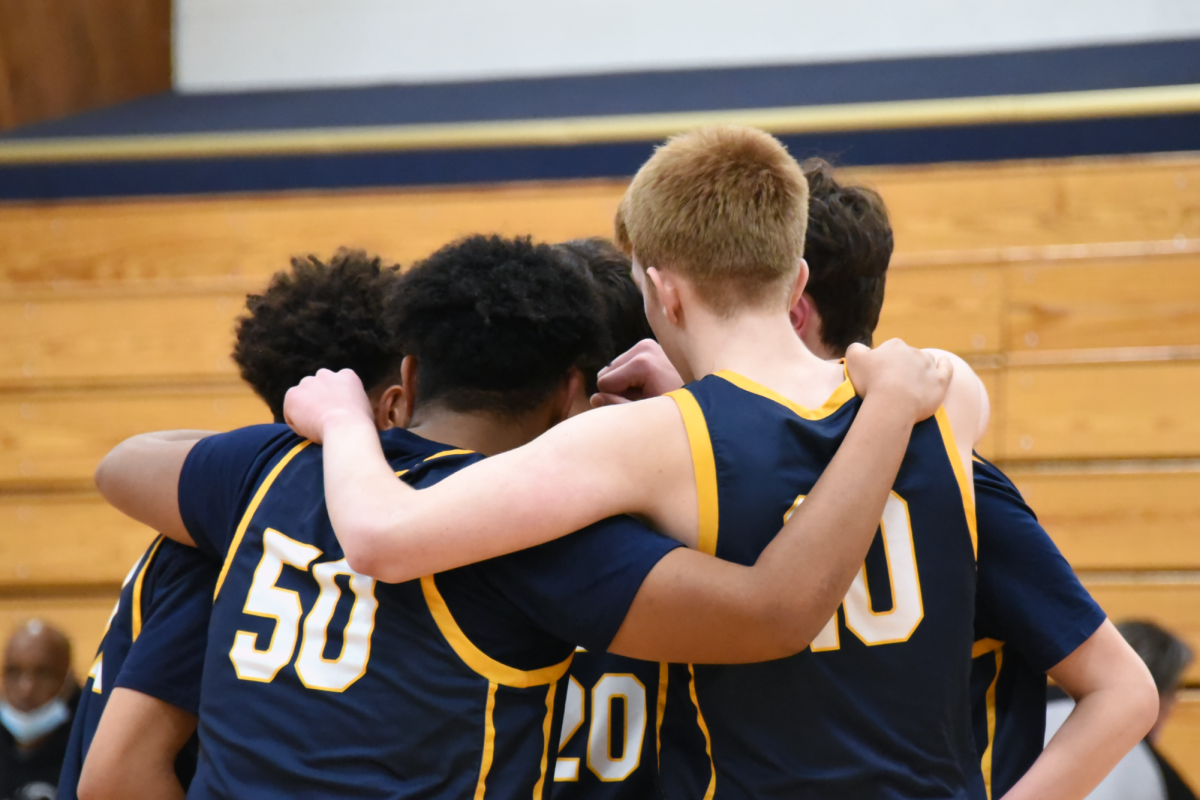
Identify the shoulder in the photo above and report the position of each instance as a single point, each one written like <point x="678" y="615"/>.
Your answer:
<point x="967" y="404"/>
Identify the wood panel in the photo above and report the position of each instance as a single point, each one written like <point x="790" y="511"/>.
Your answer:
<point x="256" y="236"/>
<point x="1123" y="520"/>
<point x="53" y="437"/>
<point x="1173" y="604"/>
<point x="1035" y="203"/>
<point x="83" y="336"/>
<point x="1135" y="302"/>
<point x="1102" y="410"/>
<point x="952" y="308"/>
<point x="1180" y="742"/>
<point x="55" y="539"/>
<point x="82" y="619"/>
<point x="932" y="209"/>
<point x="60" y="57"/>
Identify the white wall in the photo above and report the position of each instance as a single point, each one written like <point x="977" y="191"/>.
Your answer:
<point x="230" y="45"/>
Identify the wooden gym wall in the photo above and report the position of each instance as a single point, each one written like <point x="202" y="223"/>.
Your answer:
<point x="1072" y="286"/>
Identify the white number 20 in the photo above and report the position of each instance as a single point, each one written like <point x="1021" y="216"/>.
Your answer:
<point x="907" y="611"/>
<point x="600" y="759"/>
<point x="265" y="599"/>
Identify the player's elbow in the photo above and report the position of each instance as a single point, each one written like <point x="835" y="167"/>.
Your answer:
<point x="1141" y="696"/>
<point x="100" y="782"/>
<point x="104" y="475"/>
<point x="783" y="632"/>
<point x="364" y="547"/>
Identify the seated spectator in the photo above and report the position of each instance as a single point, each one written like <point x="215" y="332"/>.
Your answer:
<point x="1143" y="774"/>
<point x="39" y="699"/>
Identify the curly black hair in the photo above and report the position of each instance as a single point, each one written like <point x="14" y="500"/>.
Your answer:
<point x="611" y="275"/>
<point x="848" y="248"/>
<point x="318" y="316"/>
<point x="496" y="324"/>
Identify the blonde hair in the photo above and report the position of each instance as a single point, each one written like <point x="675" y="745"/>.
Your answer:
<point x="727" y="207"/>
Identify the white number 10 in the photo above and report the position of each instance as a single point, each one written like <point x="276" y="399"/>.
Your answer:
<point x="265" y="599"/>
<point x="907" y="611"/>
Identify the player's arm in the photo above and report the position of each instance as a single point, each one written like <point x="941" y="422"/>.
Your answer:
<point x="696" y="608"/>
<point x="133" y="752"/>
<point x="140" y="478"/>
<point x="625" y="459"/>
<point x="1116" y="704"/>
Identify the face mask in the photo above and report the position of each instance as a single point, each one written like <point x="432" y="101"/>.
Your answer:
<point x="29" y="726"/>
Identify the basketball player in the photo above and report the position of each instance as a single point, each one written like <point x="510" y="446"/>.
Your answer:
<point x="134" y="732"/>
<point x="320" y="681"/>
<point x="715" y="222"/>
<point x="1032" y="614"/>
<point x="602" y="754"/>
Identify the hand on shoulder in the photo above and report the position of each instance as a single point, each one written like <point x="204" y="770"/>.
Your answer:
<point x="641" y="371"/>
<point x="912" y="379"/>
<point x="323" y="398"/>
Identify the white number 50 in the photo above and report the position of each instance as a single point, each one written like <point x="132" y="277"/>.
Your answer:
<point x="265" y="599"/>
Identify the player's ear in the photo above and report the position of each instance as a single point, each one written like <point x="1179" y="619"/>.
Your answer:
<point x="409" y="385"/>
<point x="800" y="285"/>
<point x="666" y="291"/>
<point x="575" y="398"/>
<point x="389" y="407"/>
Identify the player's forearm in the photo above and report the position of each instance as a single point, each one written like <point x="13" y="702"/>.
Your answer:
<point x="131" y="781"/>
<point x="806" y="571"/>
<point x="134" y="750"/>
<point x="365" y="501"/>
<point x="1102" y="728"/>
<point x="1116" y="704"/>
<point x="505" y="503"/>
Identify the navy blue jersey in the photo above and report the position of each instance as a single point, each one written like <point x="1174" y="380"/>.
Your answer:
<point x="154" y="644"/>
<point x="612" y="719"/>
<point x="1031" y="612"/>
<point x="322" y="682"/>
<point x="879" y="706"/>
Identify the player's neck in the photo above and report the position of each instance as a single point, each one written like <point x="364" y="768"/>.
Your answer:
<point x="480" y="431"/>
<point x="763" y="347"/>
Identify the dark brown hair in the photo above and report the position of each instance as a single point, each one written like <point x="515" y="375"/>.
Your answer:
<point x="848" y="247"/>
<point x="611" y="275"/>
<point x="318" y="316"/>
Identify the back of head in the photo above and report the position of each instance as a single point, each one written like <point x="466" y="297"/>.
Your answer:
<point x="1165" y="654"/>
<point x="318" y="316"/>
<point x="496" y="324"/>
<point x="726" y="206"/>
<point x="848" y="247"/>
<point x="611" y="275"/>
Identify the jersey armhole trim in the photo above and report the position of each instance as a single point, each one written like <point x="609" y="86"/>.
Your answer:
<point x="704" y="464"/>
<point x="960" y="475"/>
<point x="249" y="513"/>
<point x="478" y="660"/>
<point x="136" y="625"/>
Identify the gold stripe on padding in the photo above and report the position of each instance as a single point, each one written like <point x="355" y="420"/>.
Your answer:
<point x="956" y="111"/>
<point x="476" y="659"/>
<point x="489" y="742"/>
<point x="712" y="781"/>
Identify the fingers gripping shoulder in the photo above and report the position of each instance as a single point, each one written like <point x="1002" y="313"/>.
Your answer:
<point x="966" y="403"/>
